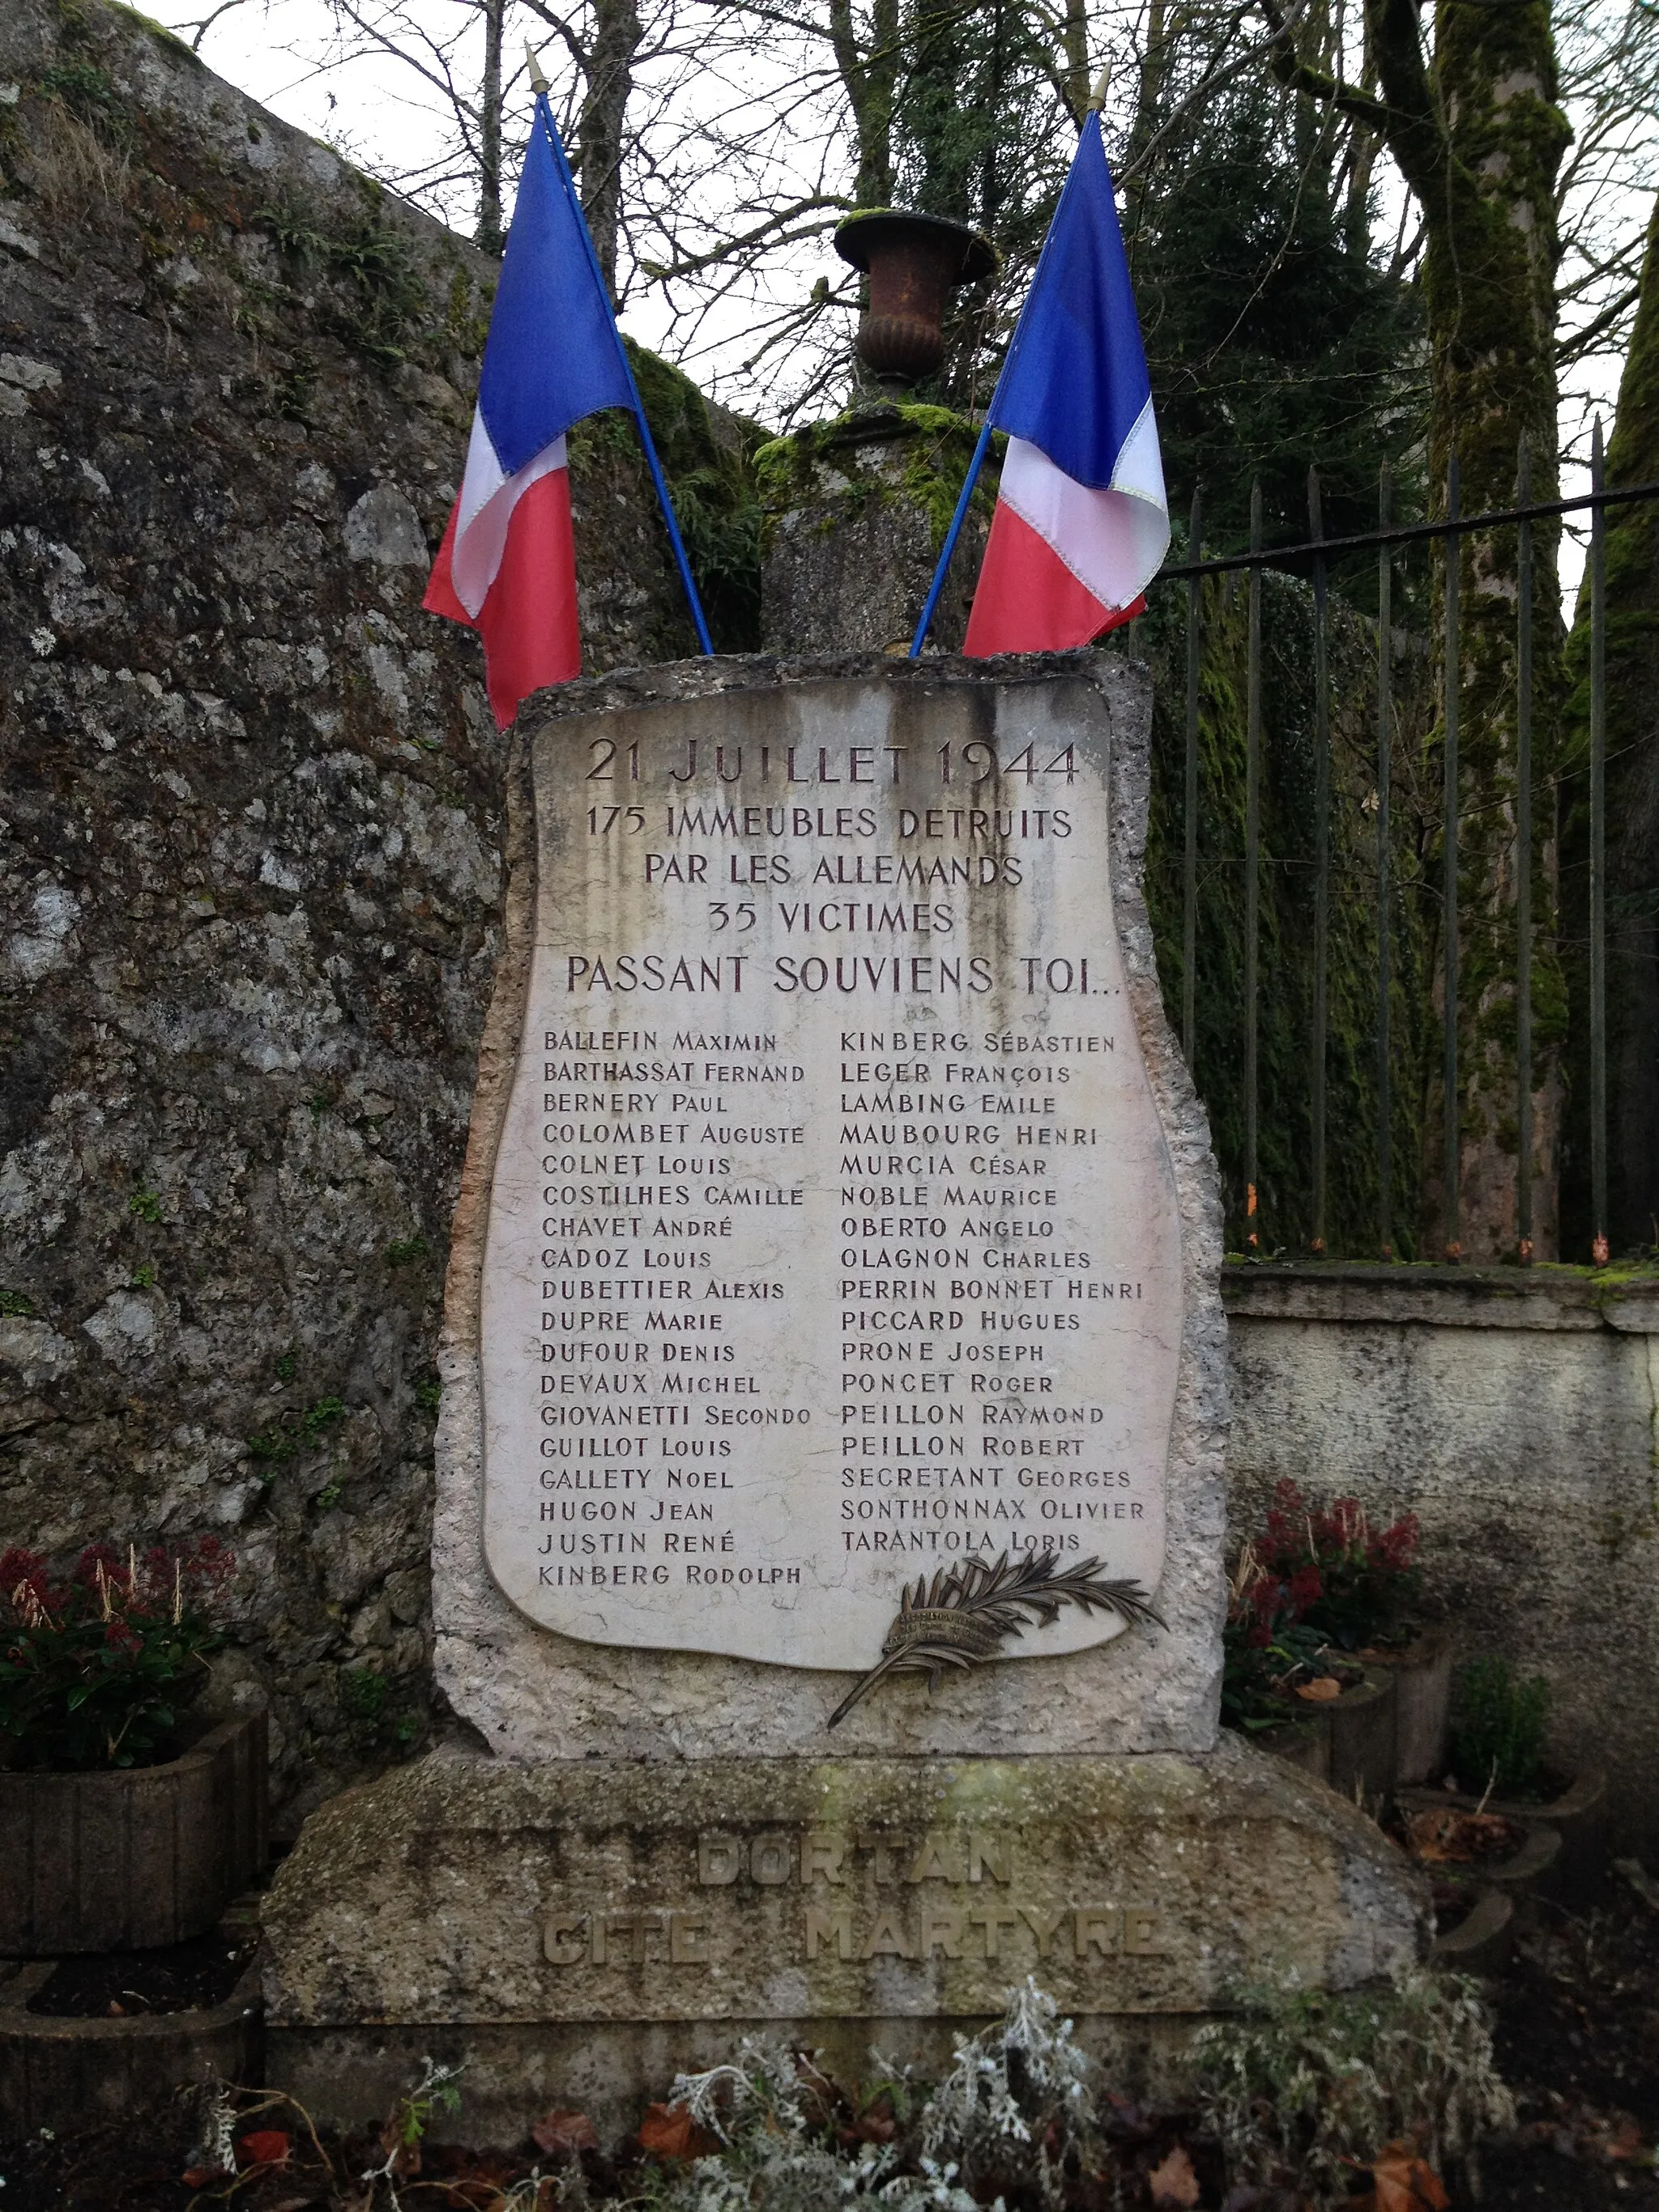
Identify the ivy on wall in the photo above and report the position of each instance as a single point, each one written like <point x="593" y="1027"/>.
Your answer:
<point x="1286" y="965"/>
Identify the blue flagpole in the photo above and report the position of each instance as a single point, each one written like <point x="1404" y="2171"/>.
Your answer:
<point x="544" y="116"/>
<point x="951" y="536"/>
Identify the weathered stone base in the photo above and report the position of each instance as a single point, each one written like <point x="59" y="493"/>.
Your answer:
<point x="515" y="2071"/>
<point x="579" y="1932"/>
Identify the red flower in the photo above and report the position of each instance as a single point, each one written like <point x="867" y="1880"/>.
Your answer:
<point x="1305" y="1590"/>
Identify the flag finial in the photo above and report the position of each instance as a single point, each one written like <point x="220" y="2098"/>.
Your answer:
<point x="1103" y="83"/>
<point x="538" y="83"/>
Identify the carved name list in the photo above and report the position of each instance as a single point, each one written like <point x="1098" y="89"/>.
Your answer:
<point x="833" y="1236"/>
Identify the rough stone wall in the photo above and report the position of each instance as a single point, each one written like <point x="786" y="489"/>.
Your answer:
<point x="1516" y="1412"/>
<point x="249" y="851"/>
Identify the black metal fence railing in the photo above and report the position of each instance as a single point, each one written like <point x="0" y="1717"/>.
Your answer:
<point x="1316" y="558"/>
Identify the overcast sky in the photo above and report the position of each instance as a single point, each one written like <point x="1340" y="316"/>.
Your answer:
<point x="378" y="115"/>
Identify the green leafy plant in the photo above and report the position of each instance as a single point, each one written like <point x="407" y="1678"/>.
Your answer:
<point x="145" y="1206"/>
<point x="363" y="1693"/>
<point x="399" y="1253"/>
<point x="1304" y="2086"/>
<point x="428" y="1393"/>
<point x="294" y="1433"/>
<point x="14" y="1306"/>
<point x="97" y="1669"/>
<point x="406" y="2124"/>
<point x="82" y="89"/>
<point x="1497" y="1728"/>
<point x="387" y="293"/>
<point x="1265" y="1646"/>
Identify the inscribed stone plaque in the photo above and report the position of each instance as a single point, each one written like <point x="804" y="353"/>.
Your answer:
<point x="833" y="1237"/>
<point x="465" y="1888"/>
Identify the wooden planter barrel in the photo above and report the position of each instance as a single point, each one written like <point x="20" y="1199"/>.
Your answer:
<point x="135" y="1858"/>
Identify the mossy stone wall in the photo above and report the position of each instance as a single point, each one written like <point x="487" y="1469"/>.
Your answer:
<point x="856" y="510"/>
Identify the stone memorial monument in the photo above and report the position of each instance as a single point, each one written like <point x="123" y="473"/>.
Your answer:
<point x="827" y="1559"/>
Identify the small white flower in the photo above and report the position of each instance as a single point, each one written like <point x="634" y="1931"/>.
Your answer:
<point x="43" y="640"/>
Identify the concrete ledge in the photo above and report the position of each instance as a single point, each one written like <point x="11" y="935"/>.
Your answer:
<point x="1440" y="1297"/>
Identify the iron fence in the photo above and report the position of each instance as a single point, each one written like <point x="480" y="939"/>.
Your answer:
<point x="1316" y="558"/>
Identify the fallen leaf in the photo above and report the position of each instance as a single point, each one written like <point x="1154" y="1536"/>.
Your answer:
<point x="670" y="2132"/>
<point x="1624" y="2142"/>
<point x="1320" y="1691"/>
<point x="117" y="2011"/>
<point x="1173" y="2182"/>
<point x="1406" y="2183"/>
<point x="870" y="2127"/>
<point x="264" y="2146"/>
<point x="565" y="2131"/>
<point x="1451" y="1838"/>
<point x="198" y="2177"/>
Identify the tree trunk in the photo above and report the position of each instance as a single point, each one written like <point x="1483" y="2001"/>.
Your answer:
<point x="618" y="32"/>
<point x="490" y="234"/>
<point x="871" y="80"/>
<point x="1632" y="817"/>
<point x="1490" y="255"/>
<point x="1478" y="138"/>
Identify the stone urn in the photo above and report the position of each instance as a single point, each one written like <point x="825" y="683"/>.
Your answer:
<point x="914" y="263"/>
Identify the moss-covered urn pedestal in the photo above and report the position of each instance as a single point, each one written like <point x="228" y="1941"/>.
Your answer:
<point x="856" y="511"/>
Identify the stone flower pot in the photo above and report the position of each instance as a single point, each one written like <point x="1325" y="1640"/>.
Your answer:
<point x="135" y="1858"/>
<point x="1527" y="1875"/>
<point x="1349" y="1743"/>
<point x="66" y="2073"/>
<point x="1577" y="1813"/>
<point x="1361" y="1725"/>
<point x="1480" y="1944"/>
<point x="1422" y="1675"/>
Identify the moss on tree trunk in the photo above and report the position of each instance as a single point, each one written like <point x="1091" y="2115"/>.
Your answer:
<point x="1478" y="137"/>
<point x="1632" y="816"/>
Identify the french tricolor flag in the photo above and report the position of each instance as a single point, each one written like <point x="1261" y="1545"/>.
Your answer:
<point x="1081" y="523"/>
<point x="508" y="565"/>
